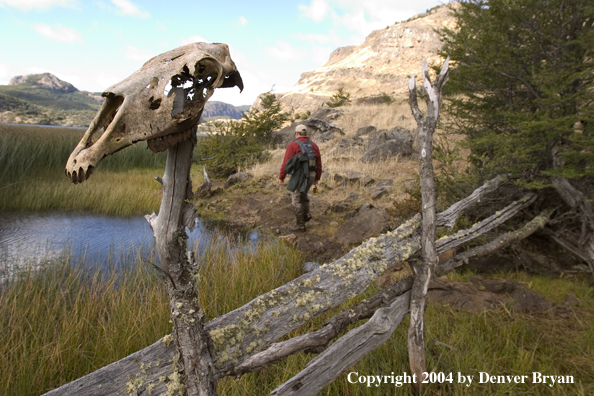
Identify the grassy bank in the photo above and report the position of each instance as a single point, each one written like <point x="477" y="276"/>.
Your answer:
<point x="62" y="322"/>
<point x="32" y="161"/>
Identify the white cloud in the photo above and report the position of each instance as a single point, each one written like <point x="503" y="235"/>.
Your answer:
<point x="127" y="8"/>
<point x="321" y="54"/>
<point x="137" y="55"/>
<point x="317" y="10"/>
<point x="59" y="33"/>
<point x="364" y="17"/>
<point x="4" y="74"/>
<point x="194" y="39"/>
<point x="242" y="21"/>
<point x="284" y="52"/>
<point x="27" y="5"/>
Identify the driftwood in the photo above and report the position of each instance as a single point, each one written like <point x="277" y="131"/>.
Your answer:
<point x="424" y="269"/>
<point x="242" y="333"/>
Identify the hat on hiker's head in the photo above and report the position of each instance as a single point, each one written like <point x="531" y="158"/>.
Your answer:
<point x="301" y="130"/>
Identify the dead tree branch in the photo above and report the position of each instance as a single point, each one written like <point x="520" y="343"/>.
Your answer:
<point x="331" y="363"/>
<point x="347" y="351"/>
<point x="423" y="272"/>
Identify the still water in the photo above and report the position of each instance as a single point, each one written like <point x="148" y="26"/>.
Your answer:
<point x="95" y="239"/>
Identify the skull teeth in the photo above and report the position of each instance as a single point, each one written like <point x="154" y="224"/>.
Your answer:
<point x="80" y="175"/>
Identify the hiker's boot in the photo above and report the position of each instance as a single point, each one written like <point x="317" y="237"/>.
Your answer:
<point x="306" y="210"/>
<point x="300" y="224"/>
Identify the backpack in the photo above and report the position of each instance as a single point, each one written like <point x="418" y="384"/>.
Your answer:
<point x="307" y="148"/>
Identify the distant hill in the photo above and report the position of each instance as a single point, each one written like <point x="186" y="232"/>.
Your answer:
<point x="221" y="109"/>
<point x="45" y="99"/>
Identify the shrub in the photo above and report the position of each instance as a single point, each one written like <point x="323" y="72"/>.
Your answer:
<point x="341" y="98"/>
<point x="235" y="144"/>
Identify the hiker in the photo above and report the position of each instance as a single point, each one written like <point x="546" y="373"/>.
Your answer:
<point x="303" y="162"/>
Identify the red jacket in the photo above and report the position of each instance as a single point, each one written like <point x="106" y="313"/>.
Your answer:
<point x="294" y="149"/>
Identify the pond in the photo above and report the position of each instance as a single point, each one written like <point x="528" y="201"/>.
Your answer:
<point x="95" y="239"/>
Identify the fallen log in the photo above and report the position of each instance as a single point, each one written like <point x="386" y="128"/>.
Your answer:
<point x="331" y="363"/>
<point x="247" y="330"/>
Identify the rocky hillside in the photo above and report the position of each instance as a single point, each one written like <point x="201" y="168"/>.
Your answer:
<point x="382" y="64"/>
<point x="45" y="80"/>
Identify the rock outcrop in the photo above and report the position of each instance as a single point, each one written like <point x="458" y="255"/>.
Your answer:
<point x="45" y="80"/>
<point x="381" y="64"/>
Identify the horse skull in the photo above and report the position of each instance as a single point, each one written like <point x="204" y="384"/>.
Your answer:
<point x="160" y="103"/>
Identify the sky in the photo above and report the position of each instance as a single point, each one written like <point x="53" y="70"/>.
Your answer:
<point x="94" y="44"/>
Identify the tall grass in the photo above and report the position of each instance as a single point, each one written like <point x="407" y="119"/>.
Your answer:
<point x="32" y="162"/>
<point x="61" y="322"/>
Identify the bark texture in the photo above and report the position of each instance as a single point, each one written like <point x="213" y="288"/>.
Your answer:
<point x="424" y="269"/>
<point x="194" y="346"/>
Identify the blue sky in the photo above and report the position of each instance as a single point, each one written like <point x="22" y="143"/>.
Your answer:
<point x="96" y="43"/>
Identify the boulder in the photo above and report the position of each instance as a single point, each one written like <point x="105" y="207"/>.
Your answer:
<point x="367" y="181"/>
<point x="327" y="114"/>
<point x="365" y="130"/>
<point x="318" y="127"/>
<point x="236" y="178"/>
<point x="387" y="150"/>
<point x="377" y="192"/>
<point x="319" y="131"/>
<point x="368" y="222"/>
<point x="346" y="145"/>
<point x="376" y="138"/>
<point x="384" y="144"/>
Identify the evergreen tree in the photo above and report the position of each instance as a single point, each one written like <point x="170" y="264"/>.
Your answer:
<point x="521" y="87"/>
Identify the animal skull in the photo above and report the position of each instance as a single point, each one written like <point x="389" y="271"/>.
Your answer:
<point x="160" y="103"/>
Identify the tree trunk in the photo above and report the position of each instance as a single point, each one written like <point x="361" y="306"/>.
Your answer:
<point x="193" y="342"/>
<point x="424" y="270"/>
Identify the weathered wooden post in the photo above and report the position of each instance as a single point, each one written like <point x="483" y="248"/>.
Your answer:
<point x="162" y="103"/>
<point x="194" y="344"/>
<point x="425" y="269"/>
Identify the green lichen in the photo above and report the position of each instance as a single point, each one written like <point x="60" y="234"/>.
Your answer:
<point x="134" y="383"/>
<point x="167" y="340"/>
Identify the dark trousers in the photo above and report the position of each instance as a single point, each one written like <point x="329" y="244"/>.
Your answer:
<point x="300" y="200"/>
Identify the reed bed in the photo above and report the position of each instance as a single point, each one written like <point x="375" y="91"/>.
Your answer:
<point x="64" y="320"/>
<point x="32" y="161"/>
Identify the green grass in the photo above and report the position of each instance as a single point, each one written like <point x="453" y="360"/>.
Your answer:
<point x="32" y="162"/>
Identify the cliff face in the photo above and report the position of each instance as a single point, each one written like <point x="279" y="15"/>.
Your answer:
<point x="383" y="63"/>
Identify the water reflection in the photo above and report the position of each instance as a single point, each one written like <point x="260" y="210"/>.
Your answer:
<point x="94" y="239"/>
